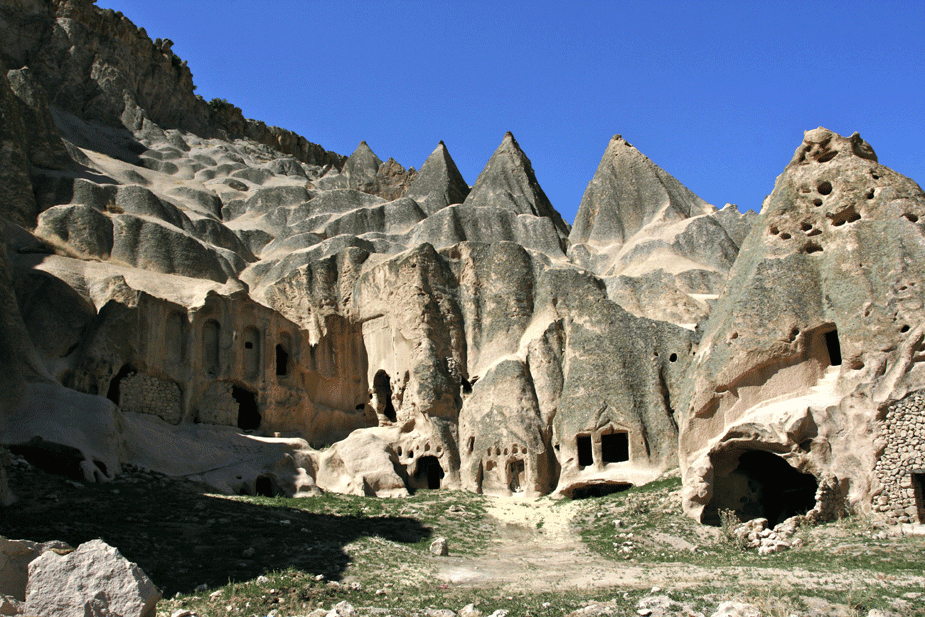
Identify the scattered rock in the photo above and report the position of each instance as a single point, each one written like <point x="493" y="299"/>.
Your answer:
<point x="439" y="547"/>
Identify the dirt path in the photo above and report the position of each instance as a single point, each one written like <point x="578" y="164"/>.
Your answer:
<point x="537" y="550"/>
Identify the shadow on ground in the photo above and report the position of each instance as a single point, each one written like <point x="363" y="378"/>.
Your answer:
<point x="183" y="537"/>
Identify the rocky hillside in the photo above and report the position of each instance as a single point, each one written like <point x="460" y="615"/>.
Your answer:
<point x="196" y="293"/>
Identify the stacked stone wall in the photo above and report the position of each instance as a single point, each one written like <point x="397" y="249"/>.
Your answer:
<point x="217" y="405"/>
<point x="142" y="393"/>
<point x="903" y="429"/>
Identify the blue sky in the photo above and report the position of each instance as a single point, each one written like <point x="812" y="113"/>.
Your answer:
<point x="716" y="93"/>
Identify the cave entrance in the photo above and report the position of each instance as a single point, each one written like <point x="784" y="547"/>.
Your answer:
<point x="833" y="347"/>
<point x="615" y="447"/>
<point x="265" y="487"/>
<point x="113" y="394"/>
<point x="517" y="469"/>
<point x="54" y="458"/>
<point x="428" y="472"/>
<point x="382" y="388"/>
<point x="248" y="411"/>
<point x="598" y="490"/>
<point x="918" y="487"/>
<point x="763" y="485"/>
<point x="585" y="453"/>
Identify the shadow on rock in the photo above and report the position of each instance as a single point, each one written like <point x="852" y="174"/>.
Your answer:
<point x="183" y="537"/>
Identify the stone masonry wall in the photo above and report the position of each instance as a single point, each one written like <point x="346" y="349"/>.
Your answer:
<point x="903" y="428"/>
<point x="142" y="393"/>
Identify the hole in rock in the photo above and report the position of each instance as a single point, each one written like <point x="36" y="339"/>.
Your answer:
<point x="248" y="411"/>
<point x="517" y="471"/>
<point x="904" y="329"/>
<point x="870" y="194"/>
<point x="115" y="383"/>
<point x="806" y="226"/>
<point x="264" y="487"/>
<point x="918" y="489"/>
<point x="828" y="156"/>
<point x="673" y="357"/>
<point x="383" y="390"/>
<point x="360" y="407"/>
<point x="763" y="485"/>
<point x="470" y="444"/>
<point x="912" y="218"/>
<point x="466" y="386"/>
<point x="585" y="453"/>
<point x="824" y="188"/>
<point x="774" y="231"/>
<point x="428" y="473"/>
<point x="785" y="236"/>
<point x="817" y="202"/>
<point x="52" y="457"/>
<point x="598" y="490"/>
<point x="834" y="347"/>
<point x="282" y="361"/>
<point x="813" y="248"/>
<point x="615" y="447"/>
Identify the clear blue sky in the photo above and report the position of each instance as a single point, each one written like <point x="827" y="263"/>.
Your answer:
<point x="716" y="93"/>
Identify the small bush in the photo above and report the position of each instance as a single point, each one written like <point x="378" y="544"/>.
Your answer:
<point x="220" y="104"/>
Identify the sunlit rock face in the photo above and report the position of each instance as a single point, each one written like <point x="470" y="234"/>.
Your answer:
<point x="815" y="338"/>
<point x="187" y="290"/>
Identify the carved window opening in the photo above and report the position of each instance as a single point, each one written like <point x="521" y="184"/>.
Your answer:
<point x="251" y="352"/>
<point x="833" y="347"/>
<point x="615" y="447"/>
<point x="211" y="333"/>
<point x="585" y="451"/>
<point x="248" y="411"/>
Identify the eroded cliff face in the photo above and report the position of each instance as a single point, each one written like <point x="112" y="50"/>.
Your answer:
<point x="202" y="295"/>
<point x="814" y="338"/>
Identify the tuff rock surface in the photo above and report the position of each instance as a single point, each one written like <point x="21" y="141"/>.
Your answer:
<point x="187" y="290"/>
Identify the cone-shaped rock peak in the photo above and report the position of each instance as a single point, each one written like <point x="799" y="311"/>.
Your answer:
<point x="439" y="183"/>
<point x="628" y="192"/>
<point x="362" y="163"/>
<point x="508" y="182"/>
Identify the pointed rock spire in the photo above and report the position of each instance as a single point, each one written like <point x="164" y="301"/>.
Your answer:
<point x="439" y="183"/>
<point x="508" y="182"/>
<point x="628" y="192"/>
<point x="361" y="168"/>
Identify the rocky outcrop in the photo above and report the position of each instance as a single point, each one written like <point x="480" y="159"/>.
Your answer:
<point x="508" y="182"/>
<point x="364" y="171"/>
<point x="813" y="338"/>
<point x="439" y="183"/>
<point x="663" y="252"/>
<point x="94" y="579"/>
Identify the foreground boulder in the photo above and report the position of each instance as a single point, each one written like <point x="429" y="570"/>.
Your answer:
<point x="95" y="579"/>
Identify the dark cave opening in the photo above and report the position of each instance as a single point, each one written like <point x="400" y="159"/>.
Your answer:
<point x="248" y="411"/>
<point x="833" y="347"/>
<point x="598" y="490"/>
<point x="763" y="485"/>
<point x="615" y="447"/>
<point x="517" y="471"/>
<point x="918" y="488"/>
<point x="53" y="458"/>
<point x="585" y="452"/>
<point x="113" y="393"/>
<point x="383" y="390"/>
<point x="428" y="473"/>
<point x="282" y="361"/>
<point x="264" y="487"/>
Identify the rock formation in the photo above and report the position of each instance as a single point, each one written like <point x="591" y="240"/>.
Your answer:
<point x="813" y="351"/>
<point x="201" y="295"/>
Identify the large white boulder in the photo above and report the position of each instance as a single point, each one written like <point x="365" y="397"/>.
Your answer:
<point x="86" y="581"/>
